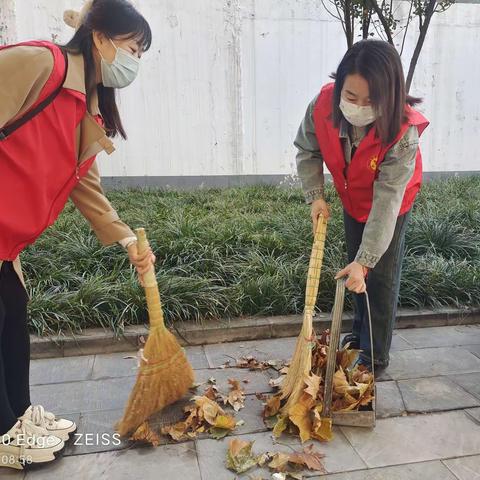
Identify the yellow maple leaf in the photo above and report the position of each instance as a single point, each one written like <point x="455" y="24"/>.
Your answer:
<point x="280" y="426"/>
<point x="225" y="421"/>
<point x="299" y="414"/>
<point x="313" y="385"/>
<point x="340" y="383"/>
<point x="279" y="462"/>
<point x="323" y="430"/>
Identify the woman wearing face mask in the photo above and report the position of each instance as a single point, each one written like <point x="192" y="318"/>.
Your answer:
<point x="57" y="112"/>
<point x="364" y="129"/>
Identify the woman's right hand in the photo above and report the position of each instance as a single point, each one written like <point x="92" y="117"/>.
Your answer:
<point x="319" y="206"/>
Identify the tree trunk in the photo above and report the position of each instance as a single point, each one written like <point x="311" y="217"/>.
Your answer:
<point x="429" y="11"/>
<point x="382" y="19"/>
<point x="348" y="15"/>
<point x="366" y="17"/>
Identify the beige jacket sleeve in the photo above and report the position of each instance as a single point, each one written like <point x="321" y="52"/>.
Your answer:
<point x="24" y="71"/>
<point x="89" y="198"/>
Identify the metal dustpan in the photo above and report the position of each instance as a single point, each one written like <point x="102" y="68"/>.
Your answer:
<point x="357" y="418"/>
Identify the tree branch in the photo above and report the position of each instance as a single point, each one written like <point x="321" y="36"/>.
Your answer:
<point x="429" y="11"/>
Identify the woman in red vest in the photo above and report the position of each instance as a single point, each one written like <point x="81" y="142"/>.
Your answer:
<point x="364" y="130"/>
<point x="57" y="111"/>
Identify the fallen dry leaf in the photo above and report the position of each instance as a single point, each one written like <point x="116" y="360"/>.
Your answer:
<point x="308" y="458"/>
<point x="226" y="422"/>
<point x="276" y="382"/>
<point x="279" y="462"/>
<point x="280" y="426"/>
<point x="313" y="385"/>
<point x="252" y="363"/>
<point x="299" y="415"/>
<point x="201" y="415"/>
<point x="272" y="406"/>
<point x="239" y="456"/>
<point x="145" y="434"/>
<point x="211" y="392"/>
<point x="236" y="397"/>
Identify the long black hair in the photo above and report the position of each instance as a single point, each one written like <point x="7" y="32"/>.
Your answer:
<point x="113" y="18"/>
<point x="380" y="65"/>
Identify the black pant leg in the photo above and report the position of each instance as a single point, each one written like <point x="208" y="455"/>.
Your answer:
<point x="15" y="341"/>
<point x="8" y="417"/>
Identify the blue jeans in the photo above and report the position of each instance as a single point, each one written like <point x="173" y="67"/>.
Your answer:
<point x="383" y="286"/>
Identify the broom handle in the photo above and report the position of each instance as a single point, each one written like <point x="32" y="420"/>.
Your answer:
<point x="154" y="305"/>
<point x="315" y="267"/>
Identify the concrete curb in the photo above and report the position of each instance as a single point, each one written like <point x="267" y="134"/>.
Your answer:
<point x="98" y="340"/>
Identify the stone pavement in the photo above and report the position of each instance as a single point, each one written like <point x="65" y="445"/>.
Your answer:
<point x="428" y="410"/>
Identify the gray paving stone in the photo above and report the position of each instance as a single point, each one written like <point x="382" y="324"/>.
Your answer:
<point x="257" y="380"/>
<point x="435" y="394"/>
<point x="114" y="365"/>
<point x="399" y="343"/>
<point x="442" y="336"/>
<point x="470" y="382"/>
<point x="474" y="413"/>
<point x="167" y="461"/>
<point x="339" y="455"/>
<point x="197" y="357"/>
<point x="87" y="396"/>
<point x="58" y="370"/>
<point x="466" y="468"/>
<point x="280" y="349"/>
<point x="389" y="400"/>
<point x="12" y="473"/>
<point x="431" y="362"/>
<point x="475" y="349"/>
<point x="252" y="415"/>
<point x="416" y="438"/>
<point x="96" y="434"/>
<point x="414" y="471"/>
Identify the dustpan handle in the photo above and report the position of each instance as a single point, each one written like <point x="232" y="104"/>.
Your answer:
<point x="154" y="305"/>
<point x="335" y="332"/>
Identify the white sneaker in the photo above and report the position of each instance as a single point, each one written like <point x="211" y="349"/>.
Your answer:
<point x="25" y="444"/>
<point x="59" y="427"/>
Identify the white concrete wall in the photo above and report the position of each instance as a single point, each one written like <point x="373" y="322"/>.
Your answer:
<point x="226" y="83"/>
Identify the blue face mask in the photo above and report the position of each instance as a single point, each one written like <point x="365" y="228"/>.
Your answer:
<point x="122" y="71"/>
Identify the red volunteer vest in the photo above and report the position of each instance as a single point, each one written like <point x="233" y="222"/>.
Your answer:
<point x="356" y="188"/>
<point x="38" y="164"/>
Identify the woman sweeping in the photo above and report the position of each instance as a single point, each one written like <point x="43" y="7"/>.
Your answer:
<point x="364" y="129"/>
<point x="57" y="113"/>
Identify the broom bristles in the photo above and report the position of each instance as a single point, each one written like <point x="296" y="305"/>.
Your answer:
<point x="164" y="379"/>
<point x="300" y="366"/>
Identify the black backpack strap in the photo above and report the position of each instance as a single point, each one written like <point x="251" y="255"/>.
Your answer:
<point x="8" y="130"/>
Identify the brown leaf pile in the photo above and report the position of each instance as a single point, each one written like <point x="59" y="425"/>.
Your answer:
<point x="202" y="415"/>
<point x="206" y="415"/>
<point x="353" y="388"/>
<point x="240" y="458"/>
<point x="235" y="398"/>
<point x="252" y="363"/>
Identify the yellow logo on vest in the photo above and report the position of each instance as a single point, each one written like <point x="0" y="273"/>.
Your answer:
<point x="373" y="163"/>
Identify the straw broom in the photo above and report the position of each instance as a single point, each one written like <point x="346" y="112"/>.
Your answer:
<point x="165" y="375"/>
<point x="301" y="363"/>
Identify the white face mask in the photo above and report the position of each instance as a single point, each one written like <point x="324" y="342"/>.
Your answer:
<point x="122" y="71"/>
<point x="357" y="116"/>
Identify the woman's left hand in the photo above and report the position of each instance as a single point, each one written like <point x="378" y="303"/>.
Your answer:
<point x="142" y="262"/>
<point x="356" y="277"/>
